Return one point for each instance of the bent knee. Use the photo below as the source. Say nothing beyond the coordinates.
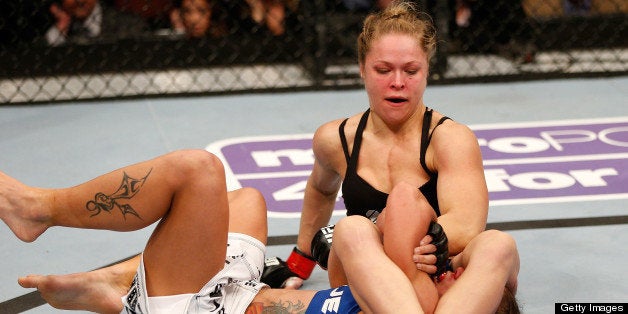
(499, 245)
(251, 195)
(248, 199)
(195, 162)
(350, 231)
(406, 200)
(403, 188)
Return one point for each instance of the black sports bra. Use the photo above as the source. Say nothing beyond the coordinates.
(359, 196)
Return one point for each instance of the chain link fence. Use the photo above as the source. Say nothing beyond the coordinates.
(59, 50)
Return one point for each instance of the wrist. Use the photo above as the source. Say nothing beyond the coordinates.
(300, 263)
(302, 253)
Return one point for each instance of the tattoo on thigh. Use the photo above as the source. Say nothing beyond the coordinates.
(128, 188)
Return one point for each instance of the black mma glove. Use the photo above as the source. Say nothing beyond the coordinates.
(321, 245)
(439, 239)
(276, 271)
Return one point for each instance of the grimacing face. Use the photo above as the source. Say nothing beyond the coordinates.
(395, 74)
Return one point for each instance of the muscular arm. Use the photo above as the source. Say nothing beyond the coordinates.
(462, 191)
(322, 185)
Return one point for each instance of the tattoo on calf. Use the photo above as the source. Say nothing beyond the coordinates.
(128, 188)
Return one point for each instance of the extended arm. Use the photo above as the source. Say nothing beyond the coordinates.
(322, 185)
(462, 190)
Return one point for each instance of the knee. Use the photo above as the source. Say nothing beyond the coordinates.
(406, 199)
(250, 201)
(353, 232)
(196, 162)
(499, 248)
(406, 193)
(252, 196)
(403, 188)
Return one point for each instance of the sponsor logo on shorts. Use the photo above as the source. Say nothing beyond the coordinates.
(132, 297)
(332, 304)
(536, 162)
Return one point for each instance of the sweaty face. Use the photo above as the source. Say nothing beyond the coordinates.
(79, 9)
(395, 75)
(196, 16)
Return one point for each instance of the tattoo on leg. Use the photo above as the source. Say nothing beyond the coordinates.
(128, 188)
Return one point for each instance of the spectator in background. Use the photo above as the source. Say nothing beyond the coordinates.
(499, 26)
(82, 21)
(271, 13)
(192, 18)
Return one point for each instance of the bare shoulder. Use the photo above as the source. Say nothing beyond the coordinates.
(452, 131)
(450, 142)
(326, 142)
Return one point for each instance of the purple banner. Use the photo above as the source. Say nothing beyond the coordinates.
(531, 162)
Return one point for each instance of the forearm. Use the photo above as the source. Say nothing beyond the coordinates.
(316, 213)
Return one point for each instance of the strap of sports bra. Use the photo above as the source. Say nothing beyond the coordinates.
(426, 136)
(352, 161)
(343, 139)
(437, 124)
(357, 141)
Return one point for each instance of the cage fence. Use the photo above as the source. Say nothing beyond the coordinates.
(60, 50)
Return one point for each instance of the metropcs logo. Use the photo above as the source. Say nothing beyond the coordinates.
(534, 162)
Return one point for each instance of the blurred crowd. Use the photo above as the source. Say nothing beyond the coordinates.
(57, 22)
(498, 26)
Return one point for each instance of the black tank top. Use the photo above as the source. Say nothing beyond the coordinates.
(359, 196)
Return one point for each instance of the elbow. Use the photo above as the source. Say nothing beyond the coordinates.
(460, 239)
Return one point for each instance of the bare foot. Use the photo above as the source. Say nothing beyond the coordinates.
(21, 210)
(96, 291)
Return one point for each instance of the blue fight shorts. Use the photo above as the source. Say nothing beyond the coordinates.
(333, 301)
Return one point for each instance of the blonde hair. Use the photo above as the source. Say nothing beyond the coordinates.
(400, 17)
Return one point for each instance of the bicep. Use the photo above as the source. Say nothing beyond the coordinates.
(462, 190)
(328, 157)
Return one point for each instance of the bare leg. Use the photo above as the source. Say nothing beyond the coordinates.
(185, 189)
(404, 222)
(126, 199)
(375, 279)
(100, 290)
(247, 213)
(96, 291)
(17, 209)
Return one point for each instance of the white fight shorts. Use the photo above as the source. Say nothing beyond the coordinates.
(230, 291)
